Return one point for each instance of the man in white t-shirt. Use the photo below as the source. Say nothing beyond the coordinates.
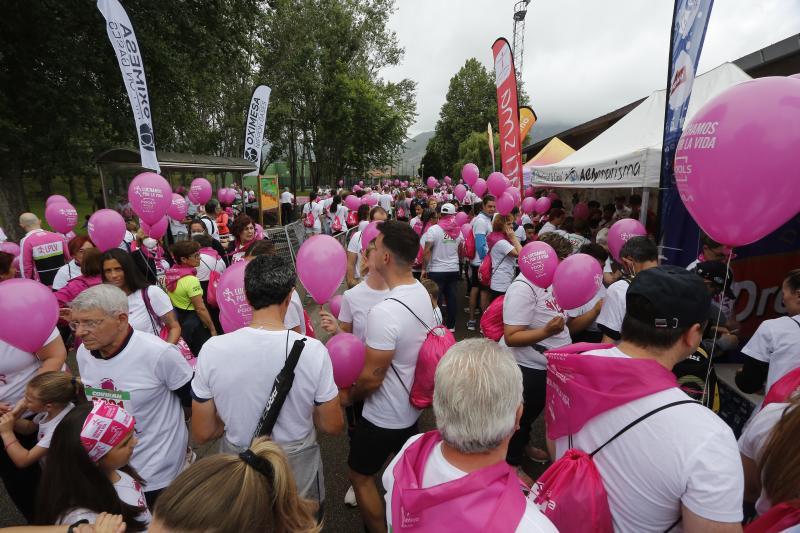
(287, 200)
(441, 262)
(472, 442)
(235, 373)
(385, 201)
(481, 227)
(679, 465)
(637, 255)
(396, 329)
(148, 377)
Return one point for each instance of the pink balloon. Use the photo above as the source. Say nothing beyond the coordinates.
(528, 205)
(369, 233)
(233, 304)
(447, 180)
(56, 199)
(10, 248)
(460, 192)
(199, 191)
(106, 229)
(30, 312)
(157, 230)
(370, 200)
(356, 188)
(222, 195)
(432, 182)
(335, 305)
(352, 202)
(542, 205)
(514, 192)
(466, 229)
(528, 191)
(396, 183)
(181, 189)
(479, 188)
(577, 280)
(736, 162)
(620, 232)
(321, 265)
(61, 216)
(505, 203)
(497, 183)
(347, 358)
(461, 218)
(259, 232)
(581, 210)
(150, 196)
(538, 262)
(178, 208)
(469, 173)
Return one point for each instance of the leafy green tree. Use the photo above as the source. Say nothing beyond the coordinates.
(475, 149)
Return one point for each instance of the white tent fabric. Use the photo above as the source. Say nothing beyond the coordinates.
(628, 154)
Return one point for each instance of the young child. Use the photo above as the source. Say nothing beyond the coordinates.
(51, 395)
(433, 291)
(87, 472)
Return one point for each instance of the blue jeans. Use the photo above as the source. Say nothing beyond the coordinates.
(448, 289)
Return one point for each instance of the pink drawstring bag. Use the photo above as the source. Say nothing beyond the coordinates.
(492, 319)
(781, 391)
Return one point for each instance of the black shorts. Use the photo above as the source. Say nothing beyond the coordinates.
(371, 446)
(473, 276)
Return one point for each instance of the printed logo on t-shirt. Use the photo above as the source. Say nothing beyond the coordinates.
(107, 392)
(551, 304)
(49, 249)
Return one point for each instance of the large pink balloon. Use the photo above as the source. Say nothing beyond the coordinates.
(233, 304)
(542, 205)
(321, 265)
(370, 200)
(106, 229)
(352, 202)
(150, 196)
(335, 305)
(581, 210)
(10, 248)
(469, 173)
(56, 199)
(736, 166)
(620, 232)
(497, 183)
(157, 230)
(369, 233)
(479, 188)
(178, 208)
(538, 262)
(432, 182)
(200, 191)
(577, 279)
(222, 195)
(528, 205)
(505, 204)
(347, 358)
(230, 196)
(461, 218)
(30, 312)
(515, 194)
(460, 192)
(61, 216)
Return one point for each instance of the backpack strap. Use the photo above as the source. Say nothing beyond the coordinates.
(795, 321)
(154, 319)
(413, 313)
(640, 419)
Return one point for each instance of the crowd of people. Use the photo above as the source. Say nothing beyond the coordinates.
(156, 375)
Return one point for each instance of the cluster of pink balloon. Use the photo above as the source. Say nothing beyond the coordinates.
(60, 214)
(226, 196)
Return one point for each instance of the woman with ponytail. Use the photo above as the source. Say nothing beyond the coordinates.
(51, 395)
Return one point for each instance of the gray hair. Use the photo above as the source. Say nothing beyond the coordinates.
(478, 389)
(108, 298)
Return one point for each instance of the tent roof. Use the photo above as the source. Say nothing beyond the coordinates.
(628, 154)
(553, 152)
(129, 157)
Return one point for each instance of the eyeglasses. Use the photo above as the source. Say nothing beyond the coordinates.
(87, 325)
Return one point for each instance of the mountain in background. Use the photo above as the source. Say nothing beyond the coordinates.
(543, 130)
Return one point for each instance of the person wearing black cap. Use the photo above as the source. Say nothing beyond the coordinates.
(677, 462)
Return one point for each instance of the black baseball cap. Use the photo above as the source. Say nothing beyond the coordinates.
(715, 272)
(678, 298)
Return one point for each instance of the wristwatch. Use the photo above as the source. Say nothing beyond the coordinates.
(71, 528)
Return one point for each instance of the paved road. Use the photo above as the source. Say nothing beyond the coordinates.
(338, 518)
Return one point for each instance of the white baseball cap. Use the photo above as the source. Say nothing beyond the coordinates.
(448, 209)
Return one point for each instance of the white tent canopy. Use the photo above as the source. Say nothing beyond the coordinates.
(628, 154)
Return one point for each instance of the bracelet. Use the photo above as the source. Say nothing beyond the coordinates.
(10, 443)
(71, 528)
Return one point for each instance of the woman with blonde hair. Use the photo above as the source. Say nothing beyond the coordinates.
(253, 491)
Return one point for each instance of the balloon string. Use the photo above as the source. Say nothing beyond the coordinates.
(719, 317)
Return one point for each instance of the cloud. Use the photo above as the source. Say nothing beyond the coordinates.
(583, 58)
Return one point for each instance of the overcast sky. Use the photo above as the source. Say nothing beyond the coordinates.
(582, 58)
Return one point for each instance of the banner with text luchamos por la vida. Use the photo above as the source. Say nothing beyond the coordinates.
(634, 170)
(254, 127)
(123, 39)
(505, 78)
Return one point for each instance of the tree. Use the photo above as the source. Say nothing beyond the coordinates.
(475, 149)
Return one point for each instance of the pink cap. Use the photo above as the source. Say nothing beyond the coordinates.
(106, 426)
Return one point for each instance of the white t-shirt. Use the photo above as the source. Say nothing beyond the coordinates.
(207, 264)
(237, 371)
(775, 342)
(363, 224)
(684, 454)
(503, 265)
(577, 241)
(357, 303)
(414, 221)
(614, 306)
(754, 439)
(138, 316)
(17, 367)
(67, 272)
(47, 427)
(481, 225)
(546, 228)
(341, 214)
(127, 239)
(211, 225)
(316, 211)
(141, 378)
(585, 308)
(286, 197)
(294, 314)
(438, 471)
(354, 246)
(392, 327)
(444, 249)
(526, 304)
(176, 227)
(385, 201)
(607, 266)
(129, 491)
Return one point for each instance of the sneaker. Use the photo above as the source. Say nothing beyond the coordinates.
(472, 325)
(350, 498)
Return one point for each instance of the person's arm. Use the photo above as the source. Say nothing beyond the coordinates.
(173, 326)
(26, 261)
(426, 257)
(752, 480)
(480, 245)
(328, 417)
(518, 336)
(19, 454)
(376, 364)
(202, 312)
(751, 377)
(351, 269)
(333, 326)
(206, 423)
(580, 323)
(52, 355)
(692, 523)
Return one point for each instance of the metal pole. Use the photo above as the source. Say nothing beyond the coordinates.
(102, 185)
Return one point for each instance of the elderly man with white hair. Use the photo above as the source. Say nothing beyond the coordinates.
(456, 478)
(145, 375)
